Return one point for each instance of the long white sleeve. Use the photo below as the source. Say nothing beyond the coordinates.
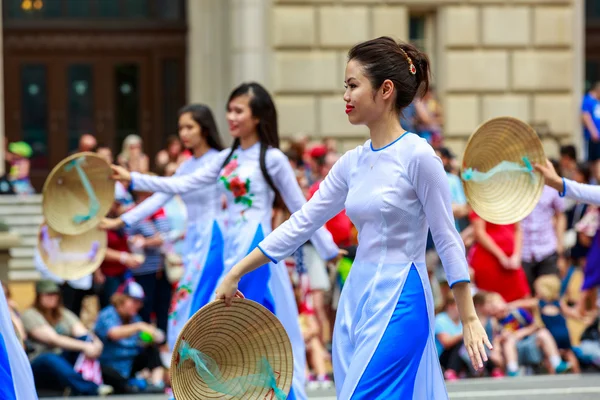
(309, 217)
(146, 208)
(180, 184)
(431, 185)
(581, 192)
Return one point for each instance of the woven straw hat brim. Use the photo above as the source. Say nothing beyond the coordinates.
(507, 197)
(64, 195)
(79, 244)
(236, 337)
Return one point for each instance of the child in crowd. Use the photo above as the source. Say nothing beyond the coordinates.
(522, 339)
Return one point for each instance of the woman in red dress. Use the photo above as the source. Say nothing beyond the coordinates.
(496, 259)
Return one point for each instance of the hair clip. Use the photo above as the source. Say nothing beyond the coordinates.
(411, 66)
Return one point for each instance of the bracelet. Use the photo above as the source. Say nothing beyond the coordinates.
(123, 257)
(564, 191)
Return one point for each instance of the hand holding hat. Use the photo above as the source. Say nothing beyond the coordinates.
(551, 178)
(120, 174)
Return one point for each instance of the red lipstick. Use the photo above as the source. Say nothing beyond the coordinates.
(349, 108)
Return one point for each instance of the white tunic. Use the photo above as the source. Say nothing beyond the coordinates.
(392, 195)
(250, 208)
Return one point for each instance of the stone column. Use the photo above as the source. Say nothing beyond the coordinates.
(208, 56)
(250, 32)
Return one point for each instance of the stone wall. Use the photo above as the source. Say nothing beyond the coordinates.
(515, 57)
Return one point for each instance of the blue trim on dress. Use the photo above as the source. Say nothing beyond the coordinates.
(212, 270)
(564, 191)
(392, 370)
(462, 280)
(389, 144)
(266, 254)
(7, 387)
(255, 285)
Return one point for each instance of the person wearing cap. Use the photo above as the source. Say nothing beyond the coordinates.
(125, 353)
(57, 338)
(16, 378)
(18, 156)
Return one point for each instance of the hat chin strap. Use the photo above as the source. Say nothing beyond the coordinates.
(52, 247)
(94, 204)
(209, 371)
(473, 175)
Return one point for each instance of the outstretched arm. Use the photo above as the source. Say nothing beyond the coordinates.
(567, 188)
(285, 181)
(146, 208)
(173, 184)
(283, 241)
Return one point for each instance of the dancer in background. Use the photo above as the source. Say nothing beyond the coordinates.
(252, 174)
(586, 194)
(203, 254)
(394, 189)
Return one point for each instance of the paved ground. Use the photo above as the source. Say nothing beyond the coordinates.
(564, 387)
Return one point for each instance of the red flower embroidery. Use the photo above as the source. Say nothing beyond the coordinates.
(237, 187)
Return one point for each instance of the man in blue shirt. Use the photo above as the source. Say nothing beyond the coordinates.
(590, 115)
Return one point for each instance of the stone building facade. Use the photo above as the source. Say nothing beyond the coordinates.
(515, 57)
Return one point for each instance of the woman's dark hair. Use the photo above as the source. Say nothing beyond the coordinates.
(204, 117)
(585, 170)
(383, 58)
(263, 108)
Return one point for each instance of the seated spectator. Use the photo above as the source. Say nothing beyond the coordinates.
(553, 311)
(126, 353)
(449, 340)
(522, 339)
(57, 338)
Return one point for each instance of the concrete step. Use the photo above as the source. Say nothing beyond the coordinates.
(11, 199)
(20, 209)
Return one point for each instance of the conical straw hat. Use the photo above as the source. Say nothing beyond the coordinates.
(67, 206)
(232, 341)
(71, 257)
(509, 196)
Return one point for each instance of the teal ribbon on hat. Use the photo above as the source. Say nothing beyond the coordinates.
(94, 204)
(209, 371)
(505, 166)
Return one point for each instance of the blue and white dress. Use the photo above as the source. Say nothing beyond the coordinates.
(203, 243)
(16, 378)
(250, 208)
(383, 339)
